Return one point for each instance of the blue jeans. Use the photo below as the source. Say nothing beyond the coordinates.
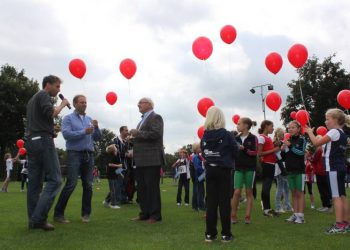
(44, 164)
(282, 189)
(78, 163)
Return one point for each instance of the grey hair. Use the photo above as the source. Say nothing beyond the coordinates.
(149, 100)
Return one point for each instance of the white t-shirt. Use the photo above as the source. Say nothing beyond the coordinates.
(182, 168)
(9, 164)
(261, 139)
(243, 138)
(24, 169)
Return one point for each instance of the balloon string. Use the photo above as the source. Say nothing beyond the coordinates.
(129, 101)
(303, 101)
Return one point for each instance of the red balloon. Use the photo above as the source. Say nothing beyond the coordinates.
(111, 98)
(321, 130)
(203, 105)
(235, 119)
(343, 98)
(20, 143)
(200, 132)
(77, 68)
(228, 34)
(293, 114)
(22, 151)
(202, 48)
(273, 100)
(302, 117)
(297, 55)
(274, 62)
(128, 68)
(286, 136)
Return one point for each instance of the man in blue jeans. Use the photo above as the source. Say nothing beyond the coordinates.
(42, 154)
(79, 131)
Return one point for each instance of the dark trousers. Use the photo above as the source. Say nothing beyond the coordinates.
(183, 182)
(149, 192)
(198, 195)
(44, 164)
(24, 178)
(78, 163)
(268, 174)
(323, 189)
(218, 196)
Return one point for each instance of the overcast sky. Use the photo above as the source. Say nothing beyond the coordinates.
(41, 37)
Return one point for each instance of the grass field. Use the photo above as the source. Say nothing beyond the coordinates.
(181, 227)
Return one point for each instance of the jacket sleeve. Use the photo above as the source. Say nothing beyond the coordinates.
(155, 132)
(234, 145)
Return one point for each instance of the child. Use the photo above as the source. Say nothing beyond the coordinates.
(295, 166)
(219, 149)
(309, 178)
(321, 179)
(281, 175)
(245, 167)
(9, 167)
(198, 182)
(24, 174)
(266, 152)
(183, 168)
(335, 142)
(96, 174)
(113, 164)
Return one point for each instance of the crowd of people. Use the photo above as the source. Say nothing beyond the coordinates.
(220, 166)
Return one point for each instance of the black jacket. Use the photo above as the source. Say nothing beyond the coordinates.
(294, 157)
(219, 148)
(246, 159)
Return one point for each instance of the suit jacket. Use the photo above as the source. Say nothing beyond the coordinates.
(148, 144)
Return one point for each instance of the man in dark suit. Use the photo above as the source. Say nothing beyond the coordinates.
(148, 153)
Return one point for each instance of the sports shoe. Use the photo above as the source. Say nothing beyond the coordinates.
(61, 219)
(105, 203)
(291, 219)
(210, 238)
(226, 239)
(186, 204)
(290, 209)
(234, 220)
(178, 204)
(312, 206)
(280, 211)
(347, 228)
(85, 219)
(114, 206)
(335, 230)
(247, 220)
(299, 220)
(271, 213)
(326, 210)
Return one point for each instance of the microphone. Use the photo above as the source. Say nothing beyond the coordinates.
(62, 97)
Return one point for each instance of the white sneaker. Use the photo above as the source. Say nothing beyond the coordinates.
(178, 204)
(105, 203)
(186, 204)
(291, 219)
(299, 220)
(312, 206)
(114, 207)
(280, 211)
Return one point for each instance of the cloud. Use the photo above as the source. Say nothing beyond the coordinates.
(43, 36)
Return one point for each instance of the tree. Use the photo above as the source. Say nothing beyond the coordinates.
(107, 137)
(15, 91)
(320, 83)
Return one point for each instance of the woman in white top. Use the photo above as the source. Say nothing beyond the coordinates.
(9, 167)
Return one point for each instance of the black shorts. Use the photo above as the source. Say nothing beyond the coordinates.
(336, 181)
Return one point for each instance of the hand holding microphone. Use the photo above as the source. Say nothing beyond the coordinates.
(65, 102)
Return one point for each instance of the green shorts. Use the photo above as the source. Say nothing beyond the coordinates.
(296, 182)
(245, 178)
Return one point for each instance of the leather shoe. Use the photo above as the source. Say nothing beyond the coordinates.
(46, 226)
(138, 218)
(61, 220)
(152, 221)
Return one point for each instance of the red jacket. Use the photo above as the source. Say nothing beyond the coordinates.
(317, 163)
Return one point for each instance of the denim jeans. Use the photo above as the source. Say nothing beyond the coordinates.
(282, 189)
(78, 163)
(44, 164)
(113, 189)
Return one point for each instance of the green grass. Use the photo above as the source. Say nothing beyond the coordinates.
(181, 227)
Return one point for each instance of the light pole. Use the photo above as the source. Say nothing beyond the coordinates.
(269, 87)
